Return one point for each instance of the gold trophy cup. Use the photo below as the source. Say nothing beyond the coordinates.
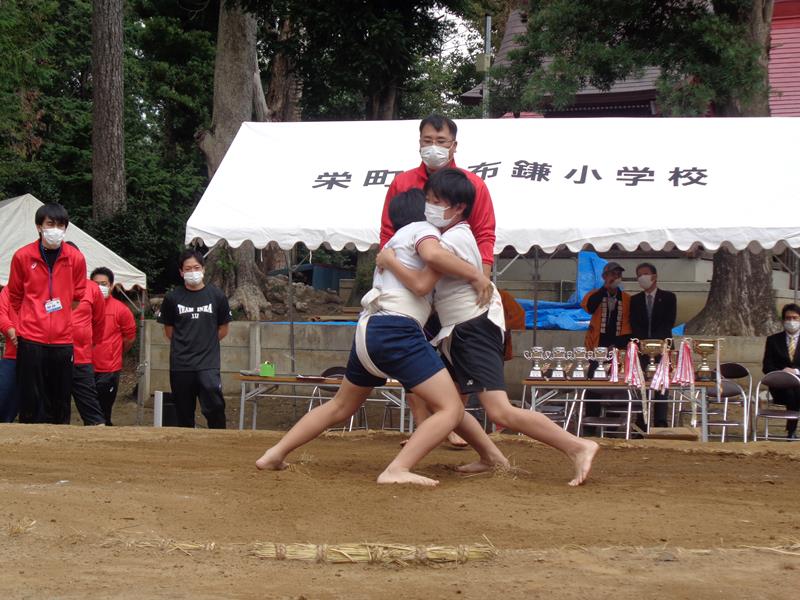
(651, 348)
(704, 348)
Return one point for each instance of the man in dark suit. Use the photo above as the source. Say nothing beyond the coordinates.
(780, 354)
(653, 317)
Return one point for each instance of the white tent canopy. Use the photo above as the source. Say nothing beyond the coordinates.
(17, 228)
(650, 183)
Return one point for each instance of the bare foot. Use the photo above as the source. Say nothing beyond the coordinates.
(398, 476)
(583, 462)
(456, 441)
(485, 464)
(271, 461)
(495, 459)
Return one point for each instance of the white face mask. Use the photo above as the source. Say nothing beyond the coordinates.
(104, 290)
(193, 277)
(435, 215)
(52, 237)
(435, 157)
(614, 284)
(645, 281)
(791, 326)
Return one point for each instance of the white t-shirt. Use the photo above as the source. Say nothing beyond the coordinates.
(404, 243)
(388, 295)
(455, 300)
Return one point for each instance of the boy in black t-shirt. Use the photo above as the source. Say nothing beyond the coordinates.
(195, 319)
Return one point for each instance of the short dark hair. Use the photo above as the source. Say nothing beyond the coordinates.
(54, 211)
(791, 307)
(452, 186)
(407, 207)
(647, 265)
(103, 271)
(438, 122)
(190, 253)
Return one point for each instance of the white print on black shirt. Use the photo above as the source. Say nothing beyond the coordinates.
(195, 311)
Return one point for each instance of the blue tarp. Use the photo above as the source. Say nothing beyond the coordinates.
(568, 315)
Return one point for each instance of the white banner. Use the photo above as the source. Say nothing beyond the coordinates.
(654, 182)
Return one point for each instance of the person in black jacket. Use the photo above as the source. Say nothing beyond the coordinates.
(652, 317)
(780, 354)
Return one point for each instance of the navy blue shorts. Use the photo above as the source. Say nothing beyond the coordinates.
(397, 347)
(477, 352)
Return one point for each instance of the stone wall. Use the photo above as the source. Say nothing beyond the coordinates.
(319, 346)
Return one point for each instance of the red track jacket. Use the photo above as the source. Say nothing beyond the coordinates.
(481, 219)
(8, 319)
(88, 321)
(31, 284)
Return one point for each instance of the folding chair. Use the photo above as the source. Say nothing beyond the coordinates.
(733, 394)
(777, 380)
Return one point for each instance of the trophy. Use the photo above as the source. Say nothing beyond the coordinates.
(600, 355)
(651, 348)
(536, 355)
(704, 348)
(559, 356)
(580, 357)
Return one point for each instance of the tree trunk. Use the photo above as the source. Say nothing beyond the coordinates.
(234, 269)
(282, 104)
(285, 89)
(108, 141)
(381, 106)
(741, 300)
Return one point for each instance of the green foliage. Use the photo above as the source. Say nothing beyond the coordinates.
(704, 50)
(437, 83)
(349, 54)
(352, 53)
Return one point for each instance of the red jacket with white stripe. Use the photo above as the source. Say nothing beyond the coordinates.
(31, 284)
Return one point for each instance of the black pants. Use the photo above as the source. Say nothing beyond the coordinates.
(791, 400)
(85, 395)
(106, 385)
(188, 386)
(44, 377)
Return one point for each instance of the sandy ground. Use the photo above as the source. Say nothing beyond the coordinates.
(659, 519)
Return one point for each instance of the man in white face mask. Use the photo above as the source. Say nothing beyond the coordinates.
(437, 148)
(46, 282)
(781, 354)
(653, 313)
(195, 318)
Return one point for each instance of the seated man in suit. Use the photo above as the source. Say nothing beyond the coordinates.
(652, 317)
(780, 354)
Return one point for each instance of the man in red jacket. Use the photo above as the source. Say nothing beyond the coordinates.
(437, 147)
(88, 321)
(46, 282)
(119, 333)
(9, 392)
